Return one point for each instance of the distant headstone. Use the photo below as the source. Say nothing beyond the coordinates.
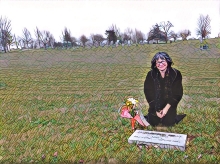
(159, 139)
(205, 47)
(203, 44)
(200, 39)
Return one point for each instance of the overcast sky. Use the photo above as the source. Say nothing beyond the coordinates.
(95, 16)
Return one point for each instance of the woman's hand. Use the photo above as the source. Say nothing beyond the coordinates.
(165, 110)
(159, 114)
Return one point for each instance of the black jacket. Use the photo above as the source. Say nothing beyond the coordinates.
(176, 89)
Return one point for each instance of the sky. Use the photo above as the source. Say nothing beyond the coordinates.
(95, 16)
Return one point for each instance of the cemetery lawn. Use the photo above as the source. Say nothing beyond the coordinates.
(61, 106)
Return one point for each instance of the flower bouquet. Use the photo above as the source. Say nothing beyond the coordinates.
(129, 110)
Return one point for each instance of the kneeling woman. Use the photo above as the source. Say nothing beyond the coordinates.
(163, 90)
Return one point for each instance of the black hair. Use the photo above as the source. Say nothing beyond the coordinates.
(163, 56)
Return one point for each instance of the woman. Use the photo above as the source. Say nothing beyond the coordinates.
(163, 91)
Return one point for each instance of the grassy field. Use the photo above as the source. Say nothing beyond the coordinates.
(66, 101)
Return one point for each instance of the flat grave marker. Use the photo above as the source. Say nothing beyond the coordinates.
(162, 140)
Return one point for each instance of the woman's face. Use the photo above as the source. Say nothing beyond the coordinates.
(161, 64)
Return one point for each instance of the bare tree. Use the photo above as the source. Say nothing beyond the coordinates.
(166, 29)
(38, 36)
(138, 36)
(125, 37)
(21, 42)
(45, 38)
(134, 36)
(113, 34)
(98, 38)
(204, 28)
(51, 41)
(156, 34)
(34, 44)
(73, 41)
(5, 32)
(92, 39)
(16, 41)
(184, 34)
(129, 33)
(83, 39)
(173, 35)
(66, 34)
(114, 28)
(26, 37)
(10, 41)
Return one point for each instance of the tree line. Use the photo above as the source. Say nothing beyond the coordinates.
(44, 39)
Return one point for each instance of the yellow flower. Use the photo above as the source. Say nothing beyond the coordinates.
(128, 103)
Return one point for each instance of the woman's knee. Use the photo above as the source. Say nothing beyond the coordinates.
(153, 120)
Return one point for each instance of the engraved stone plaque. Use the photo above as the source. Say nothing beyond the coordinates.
(159, 139)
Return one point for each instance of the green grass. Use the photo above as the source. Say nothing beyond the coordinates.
(66, 101)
